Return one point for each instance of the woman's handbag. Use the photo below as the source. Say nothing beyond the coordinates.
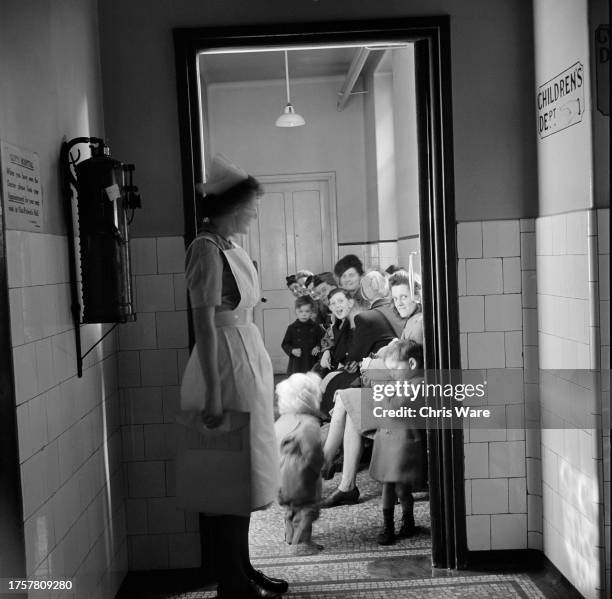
(219, 454)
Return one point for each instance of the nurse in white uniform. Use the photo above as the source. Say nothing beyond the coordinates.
(229, 366)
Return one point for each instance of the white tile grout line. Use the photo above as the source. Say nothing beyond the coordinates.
(340, 557)
(419, 582)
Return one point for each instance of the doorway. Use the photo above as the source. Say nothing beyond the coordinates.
(431, 40)
(296, 229)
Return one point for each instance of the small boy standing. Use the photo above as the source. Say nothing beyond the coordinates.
(303, 337)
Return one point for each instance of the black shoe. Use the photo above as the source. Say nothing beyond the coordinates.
(386, 536)
(408, 528)
(275, 585)
(339, 497)
(328, 471)
(251, 591)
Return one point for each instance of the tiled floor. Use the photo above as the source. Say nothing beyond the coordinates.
(341, 530)
(353, 566)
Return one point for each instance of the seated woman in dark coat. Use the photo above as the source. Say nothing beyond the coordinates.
(374, 328)
(340, 304)
(319, 287)
(349, 271)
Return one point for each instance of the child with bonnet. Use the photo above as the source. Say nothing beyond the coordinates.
(298, 434)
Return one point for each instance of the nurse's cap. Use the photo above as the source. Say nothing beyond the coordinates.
(222, 176)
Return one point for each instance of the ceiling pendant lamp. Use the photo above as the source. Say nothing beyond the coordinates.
(289, 118)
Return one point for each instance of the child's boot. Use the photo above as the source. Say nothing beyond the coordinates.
(407, 528)
(386, 536)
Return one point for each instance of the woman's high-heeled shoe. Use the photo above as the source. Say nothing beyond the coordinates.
(275, 585)
(339, 497)
(249, 591)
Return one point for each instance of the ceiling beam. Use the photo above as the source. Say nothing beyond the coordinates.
(355, 68)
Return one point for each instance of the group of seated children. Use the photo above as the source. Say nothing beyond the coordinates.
(340, 320)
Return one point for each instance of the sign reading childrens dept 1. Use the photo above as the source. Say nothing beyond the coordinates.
(560, 101)
(21, 188)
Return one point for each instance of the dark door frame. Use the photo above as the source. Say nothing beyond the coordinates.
(12, 531)
(431, 36)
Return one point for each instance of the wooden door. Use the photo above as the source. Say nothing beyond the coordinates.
(296, 229)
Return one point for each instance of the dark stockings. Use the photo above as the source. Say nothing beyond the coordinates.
(228, 539)
(244, 523)
(392, 492)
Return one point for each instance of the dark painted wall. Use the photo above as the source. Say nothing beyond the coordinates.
(492, 63)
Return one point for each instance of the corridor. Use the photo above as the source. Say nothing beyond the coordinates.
(513, 221)
(353, 566)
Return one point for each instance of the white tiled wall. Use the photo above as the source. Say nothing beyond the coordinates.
(535, 295)
(603, 259)
(68, 427)
(531, 384)
(153, 353)
(405, 247)
(564, 309)
(365, 252)
(571, 282)
(384, 254)
(492, 309)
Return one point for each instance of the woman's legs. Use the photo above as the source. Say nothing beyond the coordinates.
(244, 523)
(335, 433)
(352, 454)
(275, 585)
(224, 537)
(342, 429)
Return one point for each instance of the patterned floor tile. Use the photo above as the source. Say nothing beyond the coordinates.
(511, 586)
(353, 566)
(344, 529)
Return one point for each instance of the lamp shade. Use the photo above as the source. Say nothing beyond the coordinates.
(290, 118)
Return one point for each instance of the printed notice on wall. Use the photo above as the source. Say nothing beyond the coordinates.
(560, 101)
(21, 188)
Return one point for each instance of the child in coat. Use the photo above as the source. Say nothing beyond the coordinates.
(298, 433)
(398, 455)
(303, 337)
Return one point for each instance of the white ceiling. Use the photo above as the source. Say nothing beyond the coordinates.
(253, 66)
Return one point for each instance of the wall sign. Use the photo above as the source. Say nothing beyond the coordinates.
(21, 188)
(602, 68)
(560, 101)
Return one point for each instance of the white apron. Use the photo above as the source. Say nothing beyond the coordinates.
(246, 375)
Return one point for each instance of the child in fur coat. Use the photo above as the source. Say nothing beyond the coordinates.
(298, 433)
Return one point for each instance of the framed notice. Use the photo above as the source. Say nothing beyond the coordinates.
(21, 188)
(560, 101)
